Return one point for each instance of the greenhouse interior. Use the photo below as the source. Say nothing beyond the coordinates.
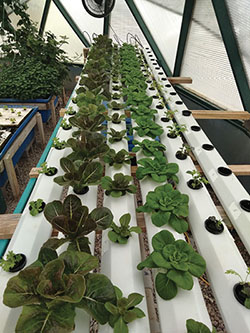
(124, 166)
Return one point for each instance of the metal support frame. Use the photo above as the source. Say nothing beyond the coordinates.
(71, 22)
(106, 25)
(185, 25)
(134, 10)
(44, 17)
(233, 53)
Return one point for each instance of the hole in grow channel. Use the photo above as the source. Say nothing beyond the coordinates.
(151, 88)
(168, 86)
(161, 73)
(154, 63)
(224, 171)
(195, 128)
(245, 205)
(159, 106)
(179, 102)
(157, 67)
(186, 113)
(207, 146)
(164, 79)
(173, 93)
(155, 97)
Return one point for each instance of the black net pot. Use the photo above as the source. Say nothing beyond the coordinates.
(19, 265)
(165, 119)
(207, 146)
(224, 171)
(68, 127)
(186, 113)
(180, 155)
(190, 182)
(172, 136)
(238, 294)
(195, 128)
(52, 171)
(41, 208)
(245, 205)
(212, 227)
(80, 191)
(159, 107)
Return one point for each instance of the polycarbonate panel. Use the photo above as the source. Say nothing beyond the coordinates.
(57, 24)
(206, 60)
(164, 26)
(122, 24)
(83, 20)
(239, 13)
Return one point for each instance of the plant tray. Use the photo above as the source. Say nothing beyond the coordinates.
(4, 136)
(7, 114)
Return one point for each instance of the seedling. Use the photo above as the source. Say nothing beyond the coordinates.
(24, 108)
(11, 260)
(48, 171)
(5, 107)
(183, 151)
(19, 113)
(197, 180)
(0, 114)
(243, 292)
(121, 234)
(36, 207)
(116, 136)
(12, 110)
(124, 311)
(118, 186)
(170, 114)
(13, 120)
(65, 125)
(116, 118)
(59, 144)
(176, 130)
(70, 111)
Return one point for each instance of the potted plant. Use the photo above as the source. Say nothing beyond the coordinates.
(13, 262)
(75, 222)
(168, 206)
(183, 152)
(51, 171)
(124, 311)
(120, 234)
(169, 115)
(59, 144)
(197, 181)
(148, 147)
(147, 127)
(214, 225)
(118, 186)
(158, 169)
(177, 263)
(80, 175)
(116, 136)
(117, 159)
(65, 125)
(241, 289)
(175, 130)
(36, 207)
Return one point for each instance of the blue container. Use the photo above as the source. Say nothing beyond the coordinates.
(44, 113)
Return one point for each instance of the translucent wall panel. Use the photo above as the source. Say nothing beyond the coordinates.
(164, 26)
(239, 12)
(57, 24)
(84, 21)
(206, 60)
(122, 22)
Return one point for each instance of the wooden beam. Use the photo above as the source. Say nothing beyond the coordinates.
(39, 123)
(8, 223)
(34, 172)
(220, 114)
(237, 169)
(180, 80)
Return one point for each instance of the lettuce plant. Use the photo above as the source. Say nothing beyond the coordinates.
(11, 260)
(36, 207)
(75, 222)
(197, 327)
(51, 289)
(177, 262)
(116, 136)
(139, 98)
(148, 147)
(88, 147)
(121, 234)
(158, 169)
(142, 111)
(116, 118)
(79, 174)
(87, 123)
(147, 127)
(118, 186)
(117, 159)
(168, 206)
(124, 311)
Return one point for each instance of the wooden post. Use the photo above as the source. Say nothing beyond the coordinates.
(11, 175)
(39, 123)
(53, 111)
(64, 98)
